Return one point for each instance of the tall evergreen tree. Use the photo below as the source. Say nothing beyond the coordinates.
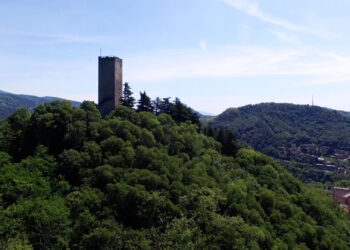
(229, 144)
(127, 99)
(165, 106)
(181, 113)
(157, 105)
(144, 104)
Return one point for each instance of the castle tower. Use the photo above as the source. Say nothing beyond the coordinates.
(110, 83)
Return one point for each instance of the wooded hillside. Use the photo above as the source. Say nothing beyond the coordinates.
(69, 179)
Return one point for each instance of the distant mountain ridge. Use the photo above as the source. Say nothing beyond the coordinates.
(11, 102)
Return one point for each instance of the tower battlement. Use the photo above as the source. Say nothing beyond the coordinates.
(110, 83)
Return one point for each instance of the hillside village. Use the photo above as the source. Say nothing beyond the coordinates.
(322, 158)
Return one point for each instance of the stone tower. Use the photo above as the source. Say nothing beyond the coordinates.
(110, 83)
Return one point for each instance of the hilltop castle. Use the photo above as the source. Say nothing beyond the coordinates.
(110, 83)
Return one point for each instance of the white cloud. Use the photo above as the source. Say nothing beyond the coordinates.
(317, 67)
(203, 45)
(152, 68)
(251, 7)
(52, 38)
(286, 36)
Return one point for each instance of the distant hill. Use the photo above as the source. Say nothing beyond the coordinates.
(300, 133)
(11, 102)
(205, 114)
(269, 125)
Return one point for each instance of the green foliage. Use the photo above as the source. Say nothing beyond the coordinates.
(176, 109)
(9, 103)
(4, 159)
(281, 131)
(127, 99)
(226, 137)
(145, 103)
(181, 113)
(139, 181)
(269, 126)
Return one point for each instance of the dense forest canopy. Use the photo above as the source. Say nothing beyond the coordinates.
(134, 180)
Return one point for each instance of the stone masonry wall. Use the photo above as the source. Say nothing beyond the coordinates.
(110, 83)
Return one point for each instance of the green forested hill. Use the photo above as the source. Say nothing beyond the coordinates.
(69, 179)
(269, 126)
(9, 103)
(297, 133)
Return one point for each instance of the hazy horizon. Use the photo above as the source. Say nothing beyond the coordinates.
(203, 112)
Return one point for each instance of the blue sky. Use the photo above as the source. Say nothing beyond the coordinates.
(212, 54)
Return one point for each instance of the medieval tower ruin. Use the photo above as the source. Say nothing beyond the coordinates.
(110, 83)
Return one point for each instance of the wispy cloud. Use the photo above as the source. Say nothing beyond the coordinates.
(286, 36)
(317, 67)
(251, 7)
(203, 45)
(303, 66)
(52, 38)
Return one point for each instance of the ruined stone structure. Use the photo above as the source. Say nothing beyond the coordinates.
(110, 83)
